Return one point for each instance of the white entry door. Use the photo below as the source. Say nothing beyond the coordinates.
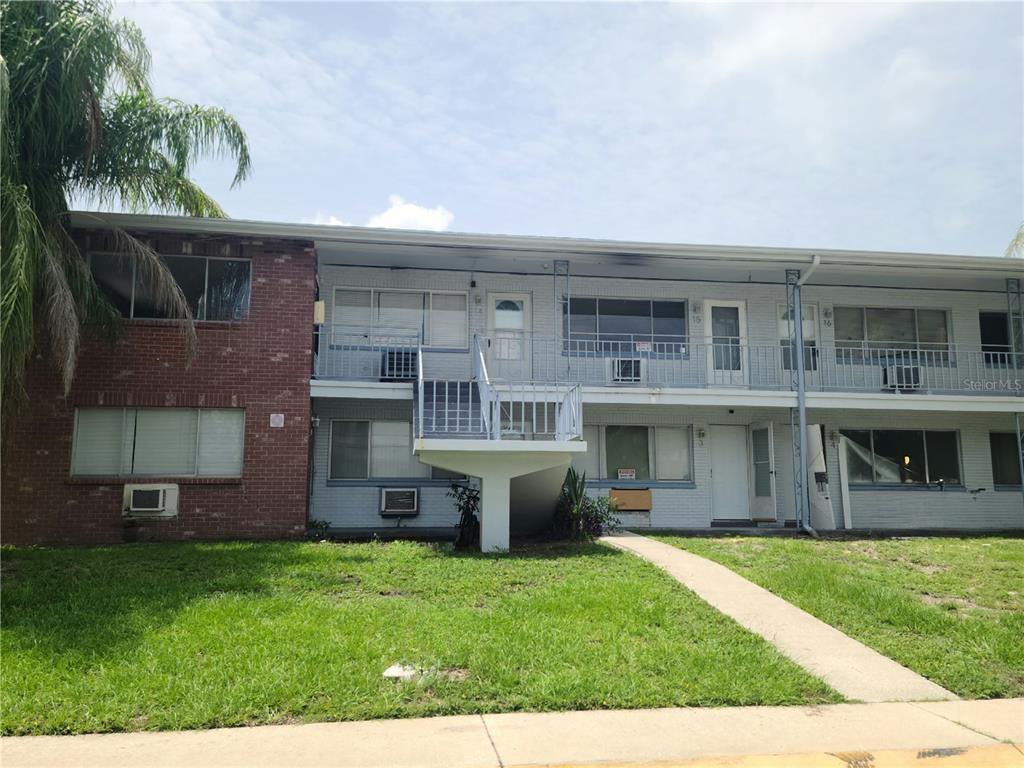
(509, 326)
(762, 472)
(730, 498)
(725, 335)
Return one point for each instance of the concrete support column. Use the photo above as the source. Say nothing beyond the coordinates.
(494, 513)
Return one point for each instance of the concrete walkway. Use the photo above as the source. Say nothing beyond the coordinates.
(850, 667)
(828, 735)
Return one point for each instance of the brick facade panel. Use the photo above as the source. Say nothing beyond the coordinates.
(261, 364)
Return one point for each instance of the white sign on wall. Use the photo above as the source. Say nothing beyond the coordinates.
(277, 419)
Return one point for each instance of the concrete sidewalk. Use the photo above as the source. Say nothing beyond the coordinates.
(850, 667)
(627, 737)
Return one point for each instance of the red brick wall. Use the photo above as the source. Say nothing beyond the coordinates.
(261, 364)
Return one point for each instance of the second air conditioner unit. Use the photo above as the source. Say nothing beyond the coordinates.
(902, 377)
(627, 370)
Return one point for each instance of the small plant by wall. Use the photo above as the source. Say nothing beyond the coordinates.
(579, 516)
(467, 501)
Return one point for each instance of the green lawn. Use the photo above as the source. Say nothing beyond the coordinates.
(155, 636)
(950, 609)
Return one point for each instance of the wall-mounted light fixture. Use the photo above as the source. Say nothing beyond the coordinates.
(315, 421)
(834, 438)
(701, 434)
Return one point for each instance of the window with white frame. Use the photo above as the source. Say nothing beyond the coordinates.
(158, 442)
(810, 332)
(902, 456)
(215, 288)
(440, 319)
(617, 452)
(364, 450)
(616, 326)
(925, 331)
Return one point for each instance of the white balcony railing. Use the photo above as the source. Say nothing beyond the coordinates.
(502, 360)
(346, 354)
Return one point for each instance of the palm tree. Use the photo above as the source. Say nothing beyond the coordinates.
(78, 121)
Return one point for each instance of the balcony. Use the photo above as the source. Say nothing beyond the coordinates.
(516, 359)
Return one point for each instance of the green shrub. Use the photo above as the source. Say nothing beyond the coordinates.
(579, 516)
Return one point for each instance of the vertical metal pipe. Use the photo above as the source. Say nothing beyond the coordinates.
(1020, 451)
(796, 325)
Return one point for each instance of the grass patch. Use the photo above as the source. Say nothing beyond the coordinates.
(950, 609)
(169, 636)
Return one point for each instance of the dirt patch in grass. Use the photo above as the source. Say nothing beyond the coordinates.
(947, 601)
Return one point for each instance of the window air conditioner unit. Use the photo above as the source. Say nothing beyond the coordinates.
(398, 365)
(399, 502)
(150, 500)
(626, 370)
(901, 377)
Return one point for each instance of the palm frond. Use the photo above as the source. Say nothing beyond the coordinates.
(1015, 250)
(166, 293)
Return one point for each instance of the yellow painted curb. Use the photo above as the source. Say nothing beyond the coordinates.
(999, 756)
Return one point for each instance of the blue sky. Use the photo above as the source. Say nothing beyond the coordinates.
(874, 126)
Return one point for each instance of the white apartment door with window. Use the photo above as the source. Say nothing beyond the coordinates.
(762, 471)
(730, 499)
(509, 326)
(725, 335)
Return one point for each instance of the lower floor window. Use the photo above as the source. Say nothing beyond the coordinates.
(158, 442)
(361, 450)
(902, 456)
(630, 452)
(1005, 458)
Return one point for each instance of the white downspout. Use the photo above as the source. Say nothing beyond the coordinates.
(798, 354)
(815, 263)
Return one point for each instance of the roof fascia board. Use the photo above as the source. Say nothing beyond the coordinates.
(545, 247)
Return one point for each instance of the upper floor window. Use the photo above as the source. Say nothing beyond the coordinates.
(995, 338)
(881, 330)
(810, 331)
(612, 323)
(902, 456)
(215, 288)
(158, 442)
(439, 319)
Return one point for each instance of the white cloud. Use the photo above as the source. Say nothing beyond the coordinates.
(751, 39)
(325, 218)
(405, 215)
(400, 214)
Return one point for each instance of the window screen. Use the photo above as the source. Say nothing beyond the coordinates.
(158, 442)
(391, 451)
(350, 450)
(165, 441)
(448, 326)
(221, 439)
(351, 310)
(98, 442)
(626, 448)
(672, 453)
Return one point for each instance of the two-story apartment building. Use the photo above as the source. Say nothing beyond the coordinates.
(667, 373)
(675, 376)
(151, 444)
